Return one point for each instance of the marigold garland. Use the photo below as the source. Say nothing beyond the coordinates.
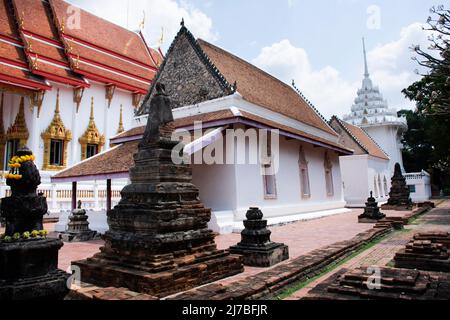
(15, 164)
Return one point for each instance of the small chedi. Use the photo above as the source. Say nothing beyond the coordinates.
(78, 227)
(28, 260)
(399, 196)
(256, 248)
(427, 251)
(372, 212)
(158, 241)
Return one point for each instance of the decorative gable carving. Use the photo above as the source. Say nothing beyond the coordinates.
(55, 131)
(91, 135)
(188, 74)
(19, 130)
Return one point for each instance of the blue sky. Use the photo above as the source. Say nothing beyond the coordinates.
(316, 42)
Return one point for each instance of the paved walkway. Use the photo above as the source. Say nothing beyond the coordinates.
(383, 253)
(301, 237)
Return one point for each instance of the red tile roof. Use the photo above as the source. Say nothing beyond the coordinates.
(137, 132)
(13, 62)
(116, 160)
(276, 125)
(101, 48)
(48, 47)
(261, 88)
(364, 140)
(39, 33)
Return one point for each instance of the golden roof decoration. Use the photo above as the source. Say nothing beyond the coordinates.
(91, 135)
(19, 130)
(56, 129)
(121, 128)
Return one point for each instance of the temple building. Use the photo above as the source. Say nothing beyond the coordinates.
(375, 131)
(367, 170)
(225, 93)
(69, 80)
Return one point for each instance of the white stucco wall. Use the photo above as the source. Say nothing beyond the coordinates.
(106, 119)
(230, 190)
(422, 185)
(358, 174)
(387, 137)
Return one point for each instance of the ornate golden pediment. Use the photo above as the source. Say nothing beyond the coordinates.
(19, 130)
(91, 135)
(120, 128)
(56, 131)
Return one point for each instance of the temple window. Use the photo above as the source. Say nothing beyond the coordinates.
(11, 149)
(386, 189)
(304, 175)
(56, 152)
(91, 150)
(375, 189)
(380, 187)
(91, 141)
(17, 134)
(270, 186)
(328, 176)
(56, 139)
(269, 178)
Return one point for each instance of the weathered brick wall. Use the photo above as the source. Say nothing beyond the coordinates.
(187, 78)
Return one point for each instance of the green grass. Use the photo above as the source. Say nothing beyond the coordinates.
(300, 285)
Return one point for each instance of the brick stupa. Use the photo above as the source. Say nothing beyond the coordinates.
(158, 241)
(399, 196)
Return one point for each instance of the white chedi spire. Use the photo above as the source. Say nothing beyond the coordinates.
(370, 108)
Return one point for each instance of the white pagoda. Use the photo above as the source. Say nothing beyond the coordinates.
(372, 113)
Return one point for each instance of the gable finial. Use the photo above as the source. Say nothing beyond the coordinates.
(182, 22)
(366, 68)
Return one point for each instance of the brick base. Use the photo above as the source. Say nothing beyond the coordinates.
(164, 283)
(265, 257)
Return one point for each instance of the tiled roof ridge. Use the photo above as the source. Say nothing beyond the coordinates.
(362, 145)
(341, 122)
(376, 143)
(230, 89)
(311, 104)
(88, 159)
(61, 33)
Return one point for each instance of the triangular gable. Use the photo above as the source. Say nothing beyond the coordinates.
(358, 140)
(198, 80)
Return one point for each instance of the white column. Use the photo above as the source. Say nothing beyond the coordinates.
(34, 130)
(54, 202)
(74, 156)
(106, 125)
(96, 200)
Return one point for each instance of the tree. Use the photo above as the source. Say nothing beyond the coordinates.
(427, 143)
(432, 92)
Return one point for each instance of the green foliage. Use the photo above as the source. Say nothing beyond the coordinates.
(447, 192)
(427, 143)
(432, 92)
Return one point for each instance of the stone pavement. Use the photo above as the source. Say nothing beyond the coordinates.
(383, 253)
(301, 237)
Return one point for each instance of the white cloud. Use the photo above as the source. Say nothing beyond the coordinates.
(326, 88)
(166, 14)
(391, 66)
(331, 91)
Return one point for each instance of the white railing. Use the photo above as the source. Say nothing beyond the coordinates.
(417, 175)
(59, 196)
